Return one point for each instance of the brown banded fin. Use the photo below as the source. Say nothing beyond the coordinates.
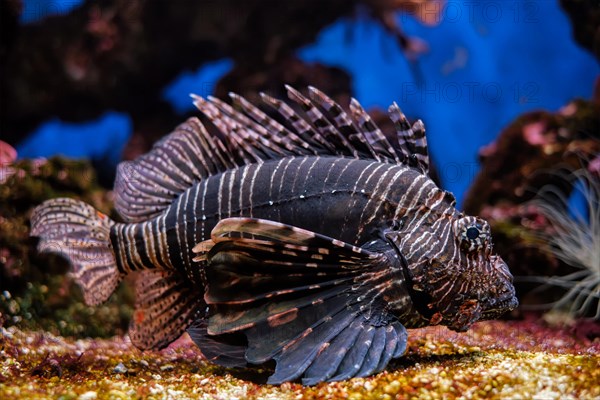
(302, 127)
(328, 132)
(243, 141)
(165, 306)
(313, 297)
(274, 127)
(343, 123)
(146, 186)
(322, 127)
(202, 249)
(382, 148)
(289, 142)
(81, 234)
(411, 139)
(248, 154)
(149, 184)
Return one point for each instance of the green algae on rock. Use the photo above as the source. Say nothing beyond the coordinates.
(34, 292)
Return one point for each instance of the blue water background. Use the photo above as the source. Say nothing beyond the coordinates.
(488, 62)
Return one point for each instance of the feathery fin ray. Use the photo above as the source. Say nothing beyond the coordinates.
(165, 305)
(226, 350)
(146, 186)
(307, 293)
(81, 234)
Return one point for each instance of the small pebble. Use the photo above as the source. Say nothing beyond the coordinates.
(120, 369)
(88, 395)
(392, 387)
(117, 394)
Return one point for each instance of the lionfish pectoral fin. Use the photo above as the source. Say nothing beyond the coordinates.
(202, 249)
(165, 306)
(226, 350)
(298, 297)
(348, 352)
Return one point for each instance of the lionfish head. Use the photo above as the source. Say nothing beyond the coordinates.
(465, 281)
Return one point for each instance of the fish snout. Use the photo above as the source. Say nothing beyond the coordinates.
(502, 297)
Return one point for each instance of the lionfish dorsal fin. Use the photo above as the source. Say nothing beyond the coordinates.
(411, 139)
(323, 132)
(382, 148)
(326, 129)
(146, 186)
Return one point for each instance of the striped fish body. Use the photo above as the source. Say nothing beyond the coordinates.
(318, 234)
(351, 200)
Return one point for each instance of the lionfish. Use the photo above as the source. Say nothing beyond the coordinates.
(308, 238)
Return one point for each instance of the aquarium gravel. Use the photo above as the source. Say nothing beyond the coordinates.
(496, 360)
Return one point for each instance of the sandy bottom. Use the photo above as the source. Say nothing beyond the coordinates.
(495, 359)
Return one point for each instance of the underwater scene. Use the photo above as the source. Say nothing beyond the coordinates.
(341, 199)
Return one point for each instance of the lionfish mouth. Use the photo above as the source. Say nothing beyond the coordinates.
(468, 313)
(505, 298)
(500, 307)
(472, 311)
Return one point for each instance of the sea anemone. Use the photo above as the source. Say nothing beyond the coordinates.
(572, 235)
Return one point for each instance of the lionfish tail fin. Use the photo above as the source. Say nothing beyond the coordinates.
(81, 234)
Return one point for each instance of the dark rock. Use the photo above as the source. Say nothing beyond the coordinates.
(585, 19)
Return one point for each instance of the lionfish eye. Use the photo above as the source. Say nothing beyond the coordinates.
(473, 233)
